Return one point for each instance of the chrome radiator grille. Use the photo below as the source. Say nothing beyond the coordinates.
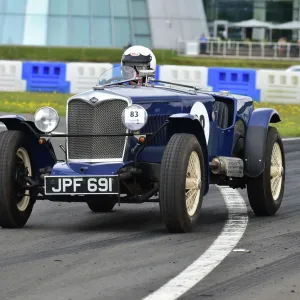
(102, 118)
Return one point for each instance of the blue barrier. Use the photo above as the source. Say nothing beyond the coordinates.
(235, 80)
(157, 72)
(45, 77)
(116, 70)
(51, 77)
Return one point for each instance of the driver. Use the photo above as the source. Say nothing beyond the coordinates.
(139, 58)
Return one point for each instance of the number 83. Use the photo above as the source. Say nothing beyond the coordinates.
(134, 114)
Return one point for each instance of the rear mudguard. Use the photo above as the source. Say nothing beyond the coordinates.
(189, 123)
(42, 155)
(255, 141)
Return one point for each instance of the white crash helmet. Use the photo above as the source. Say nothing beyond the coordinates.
(140, 58)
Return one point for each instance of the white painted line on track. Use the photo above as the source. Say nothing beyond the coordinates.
(291, 139)
(231, 234)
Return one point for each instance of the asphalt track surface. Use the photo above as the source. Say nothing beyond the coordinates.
(67, 252)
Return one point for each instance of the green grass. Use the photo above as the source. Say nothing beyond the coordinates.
(290, 118)
(29, 102)
(165, 57)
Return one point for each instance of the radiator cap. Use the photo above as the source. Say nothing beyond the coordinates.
(225, 93)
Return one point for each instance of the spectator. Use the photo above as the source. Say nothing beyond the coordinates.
(203, 41)
(224, 34)
(282, 42)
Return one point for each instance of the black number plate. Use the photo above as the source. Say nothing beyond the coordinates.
(81, 185)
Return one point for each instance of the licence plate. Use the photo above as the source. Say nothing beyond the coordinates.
(81, 185)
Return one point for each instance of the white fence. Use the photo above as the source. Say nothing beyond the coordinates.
(11, 76)
(196, 76)
(83, 76)
(279, 86)
(238, 49)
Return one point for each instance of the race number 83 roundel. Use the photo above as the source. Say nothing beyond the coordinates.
(134, 117)
(200, 111)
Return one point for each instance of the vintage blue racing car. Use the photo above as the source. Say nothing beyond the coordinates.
(134, 139)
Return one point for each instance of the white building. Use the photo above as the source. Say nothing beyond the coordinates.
(100, 23)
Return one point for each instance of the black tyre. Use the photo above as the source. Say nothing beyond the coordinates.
(103, 204)
(265, 193)
(181, 183)
(15, 159)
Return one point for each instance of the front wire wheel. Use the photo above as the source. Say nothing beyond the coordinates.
(182, 183)
(193, 184)
(24, 165)
(16, 204)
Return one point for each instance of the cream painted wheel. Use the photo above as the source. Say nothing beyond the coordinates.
(265, 192)
(182, 182)
(276, 171)
(24, 156)
(193, 184)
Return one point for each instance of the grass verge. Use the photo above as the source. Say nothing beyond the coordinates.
(113, 55)
(290, 118)
(30, 102)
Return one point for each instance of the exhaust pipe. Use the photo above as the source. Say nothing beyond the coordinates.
(229, 166)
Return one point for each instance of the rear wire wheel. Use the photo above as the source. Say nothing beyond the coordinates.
(182, 183)
(265, 193)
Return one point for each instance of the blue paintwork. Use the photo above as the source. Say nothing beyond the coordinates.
(73, 169)
(255, 154)
(21, 118)
(220, 143)
(152, 154)
(140, 94)
(172, 103)
(263, 116)
(163, 103)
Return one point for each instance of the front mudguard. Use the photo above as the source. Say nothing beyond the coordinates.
(42, 155)
(255, 140)
(189, 123)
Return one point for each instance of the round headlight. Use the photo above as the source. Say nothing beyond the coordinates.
(46, 119)
(134, 117)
